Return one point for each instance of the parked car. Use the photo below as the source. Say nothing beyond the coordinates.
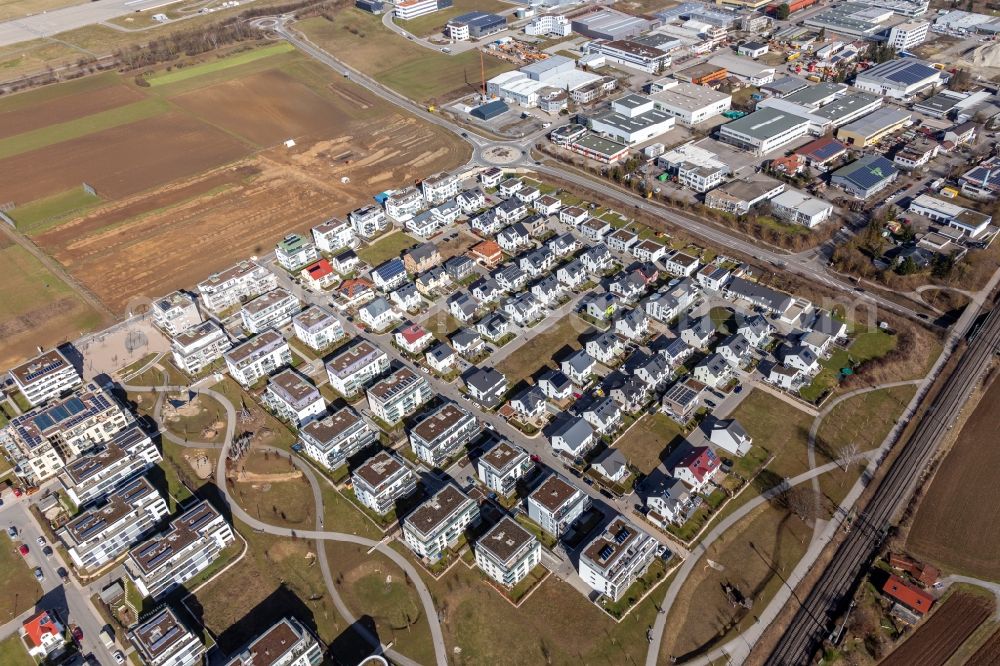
(23, 549)
(119, 657)
(39, 574)
(12, 532)
(41, 541)
(63, 574)
(47, 551)
(77, 633)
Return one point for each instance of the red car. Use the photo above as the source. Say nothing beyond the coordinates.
(77, 634)
(535, 458)
(18, 492)
(23, 549)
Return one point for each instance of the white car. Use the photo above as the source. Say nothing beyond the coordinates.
(119, 657)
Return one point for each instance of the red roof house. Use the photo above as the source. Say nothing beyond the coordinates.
(488, 253)
(319, 274)
(356, 291)
(922, 573)
(43, 634)
(908, 595)
(413, 337)
(697, 467)
(822, 151)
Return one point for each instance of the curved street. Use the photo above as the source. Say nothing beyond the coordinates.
(318, 534)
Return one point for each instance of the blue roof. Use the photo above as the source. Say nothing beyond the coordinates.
(491, 109)
(867, 171)
(391, 269)
(479, 19)
(381, 197)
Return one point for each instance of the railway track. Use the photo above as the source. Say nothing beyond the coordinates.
(830, 594)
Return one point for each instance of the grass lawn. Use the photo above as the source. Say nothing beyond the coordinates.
(654, 574)
(244, 57)
(433, 24)
(647, 441)
(279, 435)
(42, 214)
(702, 616)
(288, 502)
(865, 345)
(864, 420)
(174, 475)
(723, 319)
(540, 349)
(372, 585)
(779, 429)
(13, 653)
(387, 247)
(421, 74)
(20, 589)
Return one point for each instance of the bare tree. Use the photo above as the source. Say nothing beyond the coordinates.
(849, 454)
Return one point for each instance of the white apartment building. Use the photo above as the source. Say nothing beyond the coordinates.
(102, 533)
(272, 310)
(382, 480)
(764, 131)
(439, 522)
(555, 504)
(549, 25)
(286, 643)
(501, 467)
(439, 188)
(351, 369)
(333, 439)
(507, 552)
(317, 327)
(162, 640)
(234, 285)
(191, 543)
(92, 477)
(293, 398)
(199, 347)
(691, 104)
(46, 376)
(40, 442)
(176, 312)
(333, 235)
(439, 436)
(295, 251)
(258, 357)
(615, 559)
(368, 221)
(398, 395)
(908, 35)
(632, 119)
(404, 204)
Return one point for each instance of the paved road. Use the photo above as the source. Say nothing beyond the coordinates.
(51, 23)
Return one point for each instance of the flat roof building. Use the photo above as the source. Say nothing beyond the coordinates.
(610, 24)
(46, 376)
(439, 522)
(691, 104)
(507, 552)
(873, 127)
(900, 79)
(616, 558)
(475, 25)
(381, 481)
(764, 130)
(285, 643)
(866, 176)
(161, 639)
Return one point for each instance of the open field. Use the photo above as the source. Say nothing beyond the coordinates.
(13, 653)
(360, 40)
(433, 24)
(988, 652)
(944, 632)
(865, 346)
(779, 429)
(645, 445)
(862, 421)
(20, 590)
(386, 247)
(543, 348)
(373, 585)
(36, 307)
(770, 539)
(221, 186)
(956, 527)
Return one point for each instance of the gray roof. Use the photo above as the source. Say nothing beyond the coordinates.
(765, 123)
(815, 94)
(876, 121)
(611, 461)
(785, 85)
(581, 361)
(574, 430)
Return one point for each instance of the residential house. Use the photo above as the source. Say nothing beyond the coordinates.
(421, 258)
(622, 240)
(44, 637)
(616, 558)
(502, 467)
(668, 500)
(907, 594)
(494, 327)
(698, 332)
(413, 338)
(345, 262)
(509, 187)
(824, 323)
(537, 262)
(628, 286)
(439, 436)
(735, 349)
(407, 298)
(527, 194)
(161, 639)
(547, 291)
(467, 342)
(441, 358)
(713, 370)
(712, 277)
(556, 385)
(257, 358)
(507, 552)
(470, 201)
(199, 347)
(572, 435)
(319, 276)
(440, 187)
(488, 254)
(696, 467)
(547, 205)
(799, 358)
(331, 440)
(491, 177)
(681, 400)
(459, 268)
(333, 235)
(486, 386)
(510, 211)
(652, 369)
(555, 504)
(272, 310)
(513, 238)
(389, 275)
(604, 416)
(631, 395)
(612, 465)
(572, 275)
(680, 264)
(293, 398)
(605, 348)
(524, 309)
(232, 286)
(595, 229)
(368, 221)
(175, 312)
(439, 522)
(353, 367)
(403, 204)
(633, 324)
(786, 378)
(381, 481)
(649, 250)
(529, 404)
(573, 215)
(579, 367)
(597, 259)
(295, 251)
(397, 396)
(756, 329)
(675, 351)
(486, 290)
(601, 307)
(487, 223)
(728, 435)
(355, 292)
(563, 245)
(378, 315)
(433, 282)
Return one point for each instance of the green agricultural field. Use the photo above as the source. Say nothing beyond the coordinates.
(243, 58)
(44, 213)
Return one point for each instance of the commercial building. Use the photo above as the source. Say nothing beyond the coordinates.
(382, 480)
(243, 281)
(851, 19)
(333, 439)
(534, 82)
(93, 476)
(507, 552)
(695, 167)
(439, 522)
(258, 357)
(899, 79)
(501, 467)
(908, 35)
(46, 376)
(175, 312)
(752, 49)
(970, 222)
(822, 151)
(702, 74)
(610, 24)
(199, 347)
(798, 208)
(555, 504)
(691, 104)
(411, 9)
(866, 176)
(630, 53)
(982, 182)
(764, 130)
(616, 558)
(40, 442)
(599, 149)
(632, 119)
(285, 643)
(441, 434)
(744, 68)
(295, 251)
(191, 543)
(161, 639)
(317, 327)
(874, 127)
(100, 534)
(474, 25)
(271, 310)
(293, 398)
(739, 196)
(355, 366)
(398, 395)
(549, 25)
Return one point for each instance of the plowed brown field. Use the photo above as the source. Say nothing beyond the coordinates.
(65, 109)
(957, 525)
(943, 633)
